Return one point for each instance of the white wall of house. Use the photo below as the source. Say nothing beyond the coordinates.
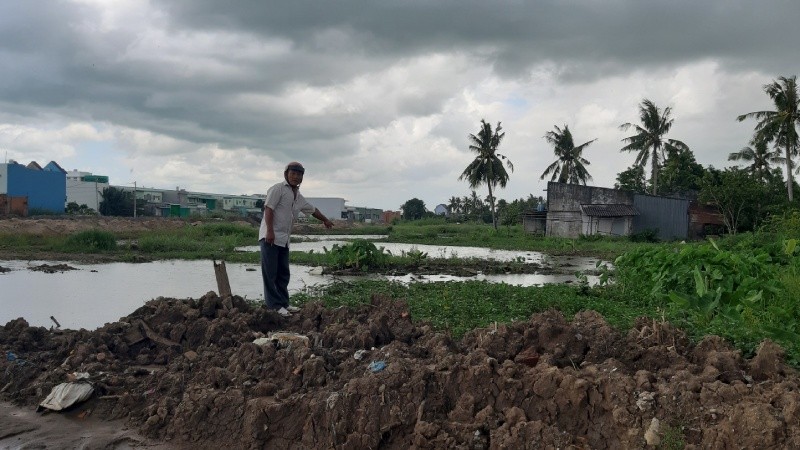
(332, 207)
(3, 178)
(89, 193)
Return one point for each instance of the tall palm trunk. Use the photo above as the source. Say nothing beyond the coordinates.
(654, 169)
(491, 201)
(789, 176)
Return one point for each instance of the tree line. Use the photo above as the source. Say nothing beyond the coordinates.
(745, 196)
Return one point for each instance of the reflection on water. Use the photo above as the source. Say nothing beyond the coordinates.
(337, 237)
(100, 293)
(448, 251)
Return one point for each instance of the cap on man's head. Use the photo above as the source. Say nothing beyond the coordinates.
(296, 166)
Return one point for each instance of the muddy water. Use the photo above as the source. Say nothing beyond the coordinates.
(318, 244)
(99, 293)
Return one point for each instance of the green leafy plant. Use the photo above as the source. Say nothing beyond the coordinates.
(416, 256)
(360, 254)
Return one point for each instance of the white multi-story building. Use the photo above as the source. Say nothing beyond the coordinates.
(332, 207)
(84, 188)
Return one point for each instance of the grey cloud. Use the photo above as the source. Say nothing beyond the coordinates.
(56, 61)
(520, 34)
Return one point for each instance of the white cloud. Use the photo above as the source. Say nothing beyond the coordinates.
(376, 100)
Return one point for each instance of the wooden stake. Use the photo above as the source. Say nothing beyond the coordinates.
(223, 285)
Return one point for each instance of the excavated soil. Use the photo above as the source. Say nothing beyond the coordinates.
(188, 373)
(65, 225)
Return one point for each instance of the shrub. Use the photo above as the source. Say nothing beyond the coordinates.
(91, 240)
(646, 235)
(360, 254)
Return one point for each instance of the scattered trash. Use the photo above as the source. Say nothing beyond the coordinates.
(652, 435)
(284, 340)
(262, 341)
(359, 355)
(78, 376)
(10, 356)
(67, 394)
(377, 366)
(315, 271)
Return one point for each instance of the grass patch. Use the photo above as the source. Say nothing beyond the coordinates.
(457, 307)
(90, 241)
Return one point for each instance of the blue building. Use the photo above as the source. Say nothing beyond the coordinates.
(45, 187)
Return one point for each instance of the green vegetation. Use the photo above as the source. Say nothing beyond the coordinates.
(487, 167)
(359, 255)
(570, 165)
(214, 239)
(744, 288)
(91, 240)
(458, 307)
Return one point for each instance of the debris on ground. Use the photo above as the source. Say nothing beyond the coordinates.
(188, 372)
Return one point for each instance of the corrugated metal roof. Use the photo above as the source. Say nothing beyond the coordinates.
(609, 210)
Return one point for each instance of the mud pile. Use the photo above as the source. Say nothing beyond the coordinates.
(188, 372)
(65, 225)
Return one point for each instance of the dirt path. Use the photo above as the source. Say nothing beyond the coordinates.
(189, 372)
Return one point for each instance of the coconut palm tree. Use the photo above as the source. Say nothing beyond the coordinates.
(649, 139)
(487, 167)
(760, 155)
(779, 126)
(454, 205)
(570, 165)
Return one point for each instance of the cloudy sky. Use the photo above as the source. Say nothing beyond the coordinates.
(376, 98)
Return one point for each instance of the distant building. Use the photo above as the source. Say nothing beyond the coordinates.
(44, 187)
(573, 210)
(332, 207)
(84, 188)
(441, 210)
(390, 216)
(364, 214)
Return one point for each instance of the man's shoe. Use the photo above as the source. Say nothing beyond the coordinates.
(293, 309)
(284, 312)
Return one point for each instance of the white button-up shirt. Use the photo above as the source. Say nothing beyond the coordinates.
(285, 206)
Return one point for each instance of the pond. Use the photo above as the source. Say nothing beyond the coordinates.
(96, 294)
(319, 243)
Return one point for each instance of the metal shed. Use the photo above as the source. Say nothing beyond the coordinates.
(670, 216)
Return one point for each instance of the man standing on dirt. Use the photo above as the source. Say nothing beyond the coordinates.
(281, 207)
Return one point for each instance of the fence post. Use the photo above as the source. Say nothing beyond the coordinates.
(223, 285)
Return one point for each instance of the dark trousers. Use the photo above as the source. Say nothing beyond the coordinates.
(275, 273)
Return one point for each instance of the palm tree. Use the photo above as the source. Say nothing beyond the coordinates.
(649, 139)
(569, 166)
(454, 205)
(779, 126)
(760, 156)
(487, 168)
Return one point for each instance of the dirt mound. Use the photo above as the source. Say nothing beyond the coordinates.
(189, 372)
(66, 225)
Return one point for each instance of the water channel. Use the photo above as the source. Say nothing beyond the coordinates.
(96, 294)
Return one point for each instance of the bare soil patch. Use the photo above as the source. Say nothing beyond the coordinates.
(187, 372)
(66, 225)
